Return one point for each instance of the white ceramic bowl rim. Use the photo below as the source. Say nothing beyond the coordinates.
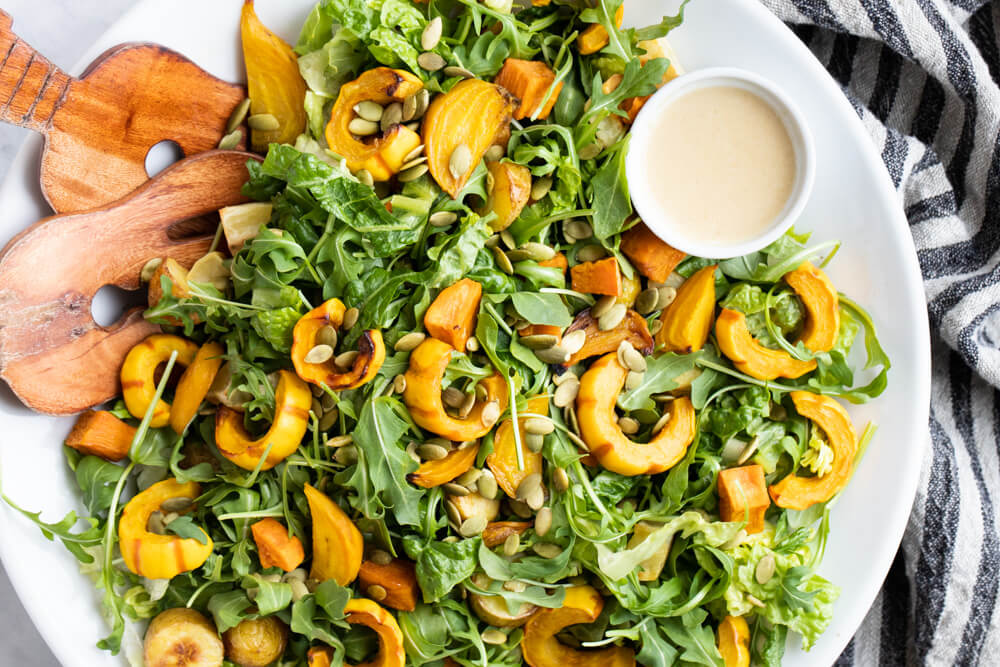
(641, 145)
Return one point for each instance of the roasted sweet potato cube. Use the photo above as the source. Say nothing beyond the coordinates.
(558, 262)
(595, 36)
(528, 81)
(652, 257)
(743, 496)
(100, 433)
(398, 578)
(600, 277)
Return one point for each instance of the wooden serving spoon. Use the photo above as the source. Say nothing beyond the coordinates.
(99, 128)
(53, 354)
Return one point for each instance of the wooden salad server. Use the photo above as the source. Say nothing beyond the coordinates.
(53, 354)
(99, 128)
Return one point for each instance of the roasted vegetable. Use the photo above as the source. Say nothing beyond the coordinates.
(151, 554)
(182, 637)
(337, 545)
(652, 257)
(822, 304)
(542, 647)
(435, 473)
(654, 48)
(688, 320)
(600, 277)
(383, 156)
(398, 578)
(559, 262)
(256, 642)
(492, 609)
(273, 82)
(498, 531)
(630, 290)
(390, 648)
(451, 317)
(632, 328)
(242, 222)
(100, 433)
(734, 641)
(751, 357)
(799, 493)
(508, 192)
(595, 37)
(138, 374)
(649, 569)
(595, 407)
(275, 547)
(529, 81)
(474, 504)
(423, 395)
(291, 419)
(471, 114)
(743, 496)
(371, 350)
(503, 460)
(179, 289)
(194, 385)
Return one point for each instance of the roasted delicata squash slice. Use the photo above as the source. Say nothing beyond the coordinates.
(306, 336)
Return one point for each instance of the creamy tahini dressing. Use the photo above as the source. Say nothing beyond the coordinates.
(721, 164)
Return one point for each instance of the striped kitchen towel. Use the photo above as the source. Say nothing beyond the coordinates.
(923, 75)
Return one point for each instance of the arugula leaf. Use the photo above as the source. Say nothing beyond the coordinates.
(612, 204)
(661, 374)
(695, 637)
(96, 479)
(228, 609)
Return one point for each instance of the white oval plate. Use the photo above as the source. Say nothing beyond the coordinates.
(853, 200)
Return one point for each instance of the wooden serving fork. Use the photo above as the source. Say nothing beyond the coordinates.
(53, 354)
(99, 128)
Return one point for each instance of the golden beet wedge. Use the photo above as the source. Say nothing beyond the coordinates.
(503, 460)
(799, 493)
(688, 320)
(734, 641)
(615, 451)
(337, 545)
(509, 195)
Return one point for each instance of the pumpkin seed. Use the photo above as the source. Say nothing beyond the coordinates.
(539, 425)
(409, 108)
(392, 115)
(612, 318)
(661, 422)
(765, 569)
(452, 397)
(467, 404)
(412, 174)
(590, 253)
(328, 420)
(178, 504)
(327, 335)
(454, 70)
(512, 544)
(411, 451)
(149, 268)
(556, 354)
(647, 300)
(431, 35)
(345, 360)
(494, 153)
(230, 141)
(472, 345)
(409, 342)
(654, 327)
(298, 574)
(536, 499)
(493, 636)
(503, 261)
(481, 392)
(518, 255)
(666, 297)
(528, 486)
(590, 151)
(317, 408)
(538, 251)
(490, 414)
(569, 414)
(543, 521)
(299, 589)
(329, 402)
(547, 549)
(376, 592)
(414, 154)
(431, 62)
(633, 380)
(340, 441)
(563, 377)
(238, 115)
(319, 354)
(399, 383)
(442, 218)
(560, 479)
(347, 455)
(520, 509)
(534, 442)
(574, 340)
(541, 187)
(369, 110)
(515, 586)
(603, 305)
(492, 242)
(431, 452)
(508, 239)
(460, 161)
(350, 318)
(316, 390)
(539, 341)
(469, 477)
(413, 127)
(364, 176)
(362, 127)
(578, 228)
(472, 526)
(749, 451)
(628, 425)
(566, 393)
(487, 485)
(454, 489)
(263, 122)
(423, 101)
(634, 360)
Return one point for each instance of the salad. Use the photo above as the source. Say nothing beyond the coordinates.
(436, 396)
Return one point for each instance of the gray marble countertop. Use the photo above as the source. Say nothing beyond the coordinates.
(61, 30)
